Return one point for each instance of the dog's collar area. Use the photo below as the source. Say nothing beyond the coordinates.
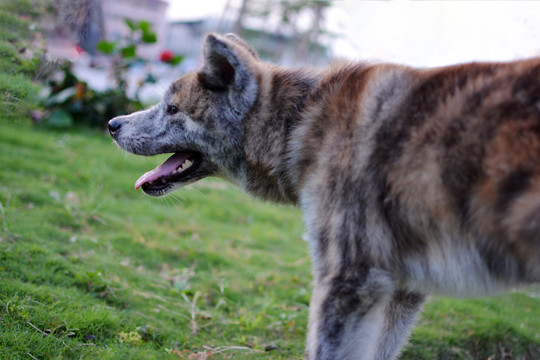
(173, 170)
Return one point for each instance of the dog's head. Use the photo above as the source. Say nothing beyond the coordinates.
(199, 120)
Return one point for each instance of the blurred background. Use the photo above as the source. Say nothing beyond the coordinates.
(139, 46)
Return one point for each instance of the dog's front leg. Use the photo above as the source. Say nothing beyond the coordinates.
(347, 315)
(399, 316)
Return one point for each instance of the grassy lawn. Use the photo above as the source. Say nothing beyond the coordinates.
(87, 258)
(91, 269)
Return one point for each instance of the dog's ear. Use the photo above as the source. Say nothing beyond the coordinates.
(238, 40)
(229, 66)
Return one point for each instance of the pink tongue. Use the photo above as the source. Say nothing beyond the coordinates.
(166, 168)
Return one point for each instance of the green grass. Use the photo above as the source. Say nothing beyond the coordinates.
(91, 269)
(17, 91)
(85, 254)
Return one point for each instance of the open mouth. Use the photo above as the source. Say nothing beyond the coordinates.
(175, 169)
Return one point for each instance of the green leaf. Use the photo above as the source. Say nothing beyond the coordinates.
(145, 26)
(176, 60)
(60, 119)
(131, 24)
(150, 79)
(149, 37)
(106, 47)
(60, 97)
(128, 51)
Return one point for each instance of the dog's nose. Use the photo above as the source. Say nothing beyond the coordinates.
(114, 126)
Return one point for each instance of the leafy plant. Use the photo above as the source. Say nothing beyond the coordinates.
(131, 338)
(123, 52)
(93, 281)
(69, 100)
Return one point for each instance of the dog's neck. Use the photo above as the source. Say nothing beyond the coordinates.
(283, 96)
(289, 99)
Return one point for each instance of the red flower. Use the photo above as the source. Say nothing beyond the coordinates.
(166, 56)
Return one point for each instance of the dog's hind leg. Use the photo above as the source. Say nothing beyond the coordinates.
(347, 315)
(399, 316)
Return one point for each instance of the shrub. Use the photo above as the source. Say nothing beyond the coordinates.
(69, 100)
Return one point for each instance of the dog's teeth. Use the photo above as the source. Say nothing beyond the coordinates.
(187, 164)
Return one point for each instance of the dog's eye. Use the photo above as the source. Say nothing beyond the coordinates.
(171, 109)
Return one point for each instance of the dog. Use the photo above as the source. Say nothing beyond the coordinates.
(411, 181)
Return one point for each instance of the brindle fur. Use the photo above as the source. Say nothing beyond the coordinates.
(411, 181)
